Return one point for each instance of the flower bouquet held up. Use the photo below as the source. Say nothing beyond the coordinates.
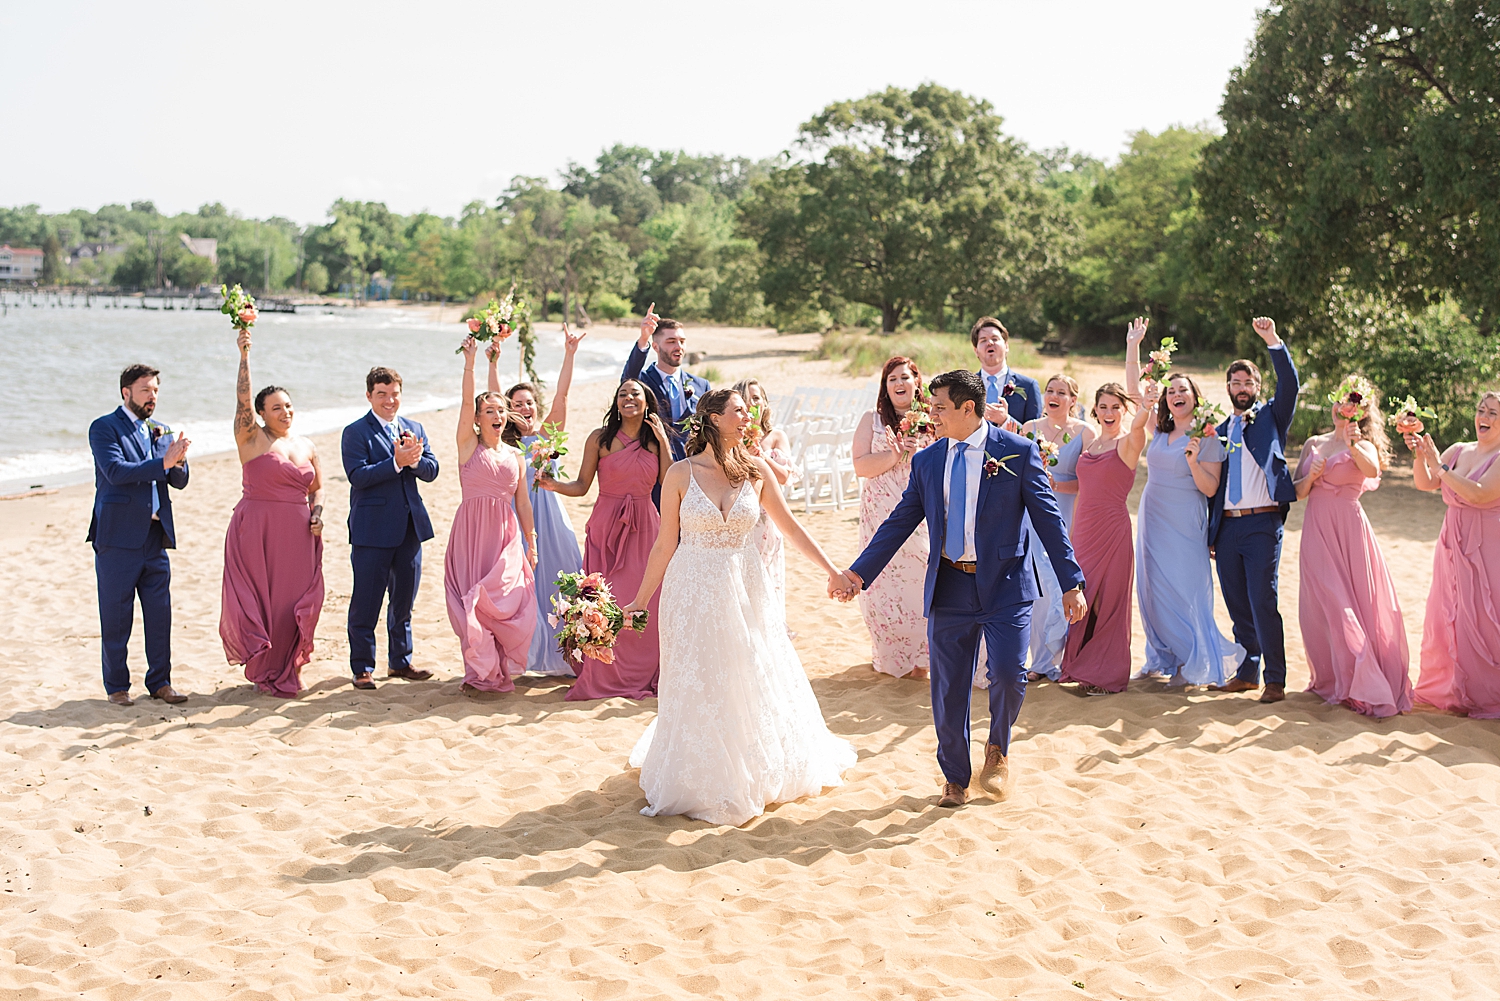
(587, 619)
(1407, 417)
(550, 445)
(1348, 401)
(239, 306)
(915, 422)
(1206, 419)
(494, 322)
(1159, 363)
(1051, 450)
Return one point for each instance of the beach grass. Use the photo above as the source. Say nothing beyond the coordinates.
(866, 351)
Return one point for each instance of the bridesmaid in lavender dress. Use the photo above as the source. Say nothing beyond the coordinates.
(630, 454)
(1461, 636)
(892, 605)
(487, 570)
(1351, 621)
(775, 448)
(273, 552)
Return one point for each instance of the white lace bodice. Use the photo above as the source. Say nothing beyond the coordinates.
(704, 526)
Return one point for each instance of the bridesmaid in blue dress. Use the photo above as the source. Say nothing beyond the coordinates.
(1174, 582)
(557, 545)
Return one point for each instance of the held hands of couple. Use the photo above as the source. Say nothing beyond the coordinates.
(844, 585)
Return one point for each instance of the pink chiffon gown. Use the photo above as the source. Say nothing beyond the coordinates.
(1098, 650)
(273, 575)
(1461, 636)
(488, 584)
(893, 604)
(1351, 621)
(617, 543)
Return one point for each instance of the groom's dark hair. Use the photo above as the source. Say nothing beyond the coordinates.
(961, 385)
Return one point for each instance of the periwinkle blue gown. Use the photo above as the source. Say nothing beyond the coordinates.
(1049, 627)
(1174, 582)
(556, 552)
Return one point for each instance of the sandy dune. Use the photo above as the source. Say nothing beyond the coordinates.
(412, 842)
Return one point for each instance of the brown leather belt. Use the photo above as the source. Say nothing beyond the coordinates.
(1244, 511)
(966, 566)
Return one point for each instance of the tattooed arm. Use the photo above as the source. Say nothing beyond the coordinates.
(246, 432)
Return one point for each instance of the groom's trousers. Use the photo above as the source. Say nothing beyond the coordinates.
(954, 627)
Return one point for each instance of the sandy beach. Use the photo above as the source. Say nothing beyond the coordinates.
(413, 842)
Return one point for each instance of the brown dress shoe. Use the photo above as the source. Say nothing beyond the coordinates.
(953, 795)
(169, 695)
(121, 698)
(408, 674)
(1273, 693)
(365, 682)
(1239, 685)
(994, 777)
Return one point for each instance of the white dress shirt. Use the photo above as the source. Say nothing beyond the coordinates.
(1000, 377)
(393, 432)
(144, 434)
(1254, 491)
(974, 468)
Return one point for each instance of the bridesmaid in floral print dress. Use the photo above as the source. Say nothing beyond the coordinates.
(892, 605)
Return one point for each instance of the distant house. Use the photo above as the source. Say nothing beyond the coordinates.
(19, 263)
(88, 251)
(201, 246)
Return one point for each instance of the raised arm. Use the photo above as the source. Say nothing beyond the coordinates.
(665, 546)
(586, 470)
(1284, 403)
(464, 432)
(558, 414)
(637, 359)
(492, 355)
(246, 432)
(1134, 441)
(1134, 335)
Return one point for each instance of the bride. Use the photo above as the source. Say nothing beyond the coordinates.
(737, 725)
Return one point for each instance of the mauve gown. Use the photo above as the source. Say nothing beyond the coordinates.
(1098, 651)
(617, 543)
(488, 584)
(1351, 621)
(1461, 636)
(273, 575)
(556, 551)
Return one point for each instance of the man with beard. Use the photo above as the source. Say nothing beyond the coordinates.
(677, 391)
(135, 459)
(1248, 510)
(1007, 393)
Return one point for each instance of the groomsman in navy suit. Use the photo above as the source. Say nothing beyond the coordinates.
(132, 530)
(384, 457)
(1247, 513)
(1021, 396)
(976, 487)
(677, 390)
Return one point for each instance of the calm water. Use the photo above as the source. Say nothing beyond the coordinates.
(63, 367)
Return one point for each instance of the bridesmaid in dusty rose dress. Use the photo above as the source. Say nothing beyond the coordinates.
(892, 605)
(1351, 621)
(273, 552)
(1461, 637)
(630, 454)
(487, 571)
(1098, 652)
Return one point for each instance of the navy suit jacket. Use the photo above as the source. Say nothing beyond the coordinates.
(635, 368)
(380, 497)
(123, 474)
(1001, 545)
(1022, 395)
(1266, 439)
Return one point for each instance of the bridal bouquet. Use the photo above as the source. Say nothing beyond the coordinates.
(239, 306)
(1206, 419)
(550, 445)
(494, 322)
(1159, 363)
(755, 430)
(915, 422)
(1407, 417)
(587, 619)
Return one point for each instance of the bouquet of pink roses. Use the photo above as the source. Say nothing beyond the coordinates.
(1206, 420)
(494, 322)
(239, 306)
(550, 445)
(1408, 416)
(915, 422)
(587, 619)
(1050, 450)
(755, 430)
(1159, 363)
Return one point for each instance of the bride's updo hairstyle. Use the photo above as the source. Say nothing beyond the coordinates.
(736, 462)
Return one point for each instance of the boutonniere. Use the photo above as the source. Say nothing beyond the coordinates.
(687, 390)
(156, 429)
(992, 465)
(1011, 389)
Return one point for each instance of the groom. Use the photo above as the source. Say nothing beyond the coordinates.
(975, 487)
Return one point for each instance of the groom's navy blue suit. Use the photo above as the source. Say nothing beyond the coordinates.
(387, 525)
(995, 600)
(130, 545)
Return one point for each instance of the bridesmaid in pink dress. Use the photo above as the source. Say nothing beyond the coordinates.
(273, 551)
(1351, 621)
(893, 605)
(1461, 636)
(1097, 656)
(487, 571)
(630, 454)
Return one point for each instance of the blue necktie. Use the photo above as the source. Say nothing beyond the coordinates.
(146, 434)
(958, 501)
(675, 392)
(1236, 442)
(992, 392)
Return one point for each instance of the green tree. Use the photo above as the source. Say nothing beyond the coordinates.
(360, 239)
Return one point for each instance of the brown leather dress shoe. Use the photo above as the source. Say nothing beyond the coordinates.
(169, 695)
(1239, 685)
(121, 698)
(408, 674)
(994, 777)
(953, 795)
(365, 682)
(1273, 693)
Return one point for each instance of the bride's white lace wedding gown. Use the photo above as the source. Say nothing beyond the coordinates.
(737, 724)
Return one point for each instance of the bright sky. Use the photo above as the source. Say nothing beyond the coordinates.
(278, 108)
